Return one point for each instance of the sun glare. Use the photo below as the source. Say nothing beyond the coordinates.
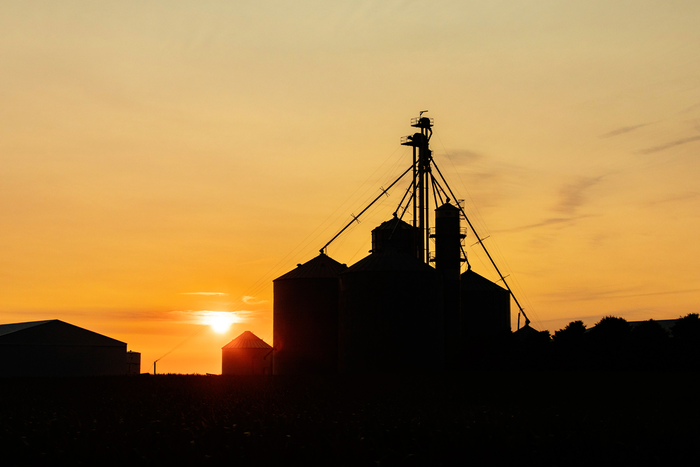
(220, 321)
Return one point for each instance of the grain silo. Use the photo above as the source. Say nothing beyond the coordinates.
(305, 313)
(56, 348)
(448, 262)
(247, 354)
(398, 234)
(391, 316)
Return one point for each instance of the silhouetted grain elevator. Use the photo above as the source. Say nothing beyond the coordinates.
(391, 311)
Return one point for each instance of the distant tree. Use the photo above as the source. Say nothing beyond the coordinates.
(568, 346)
(611, 330)
(571, 334)
(608, 343)
(686, 341)
(687, 328)
(649, 333)
(649, 346)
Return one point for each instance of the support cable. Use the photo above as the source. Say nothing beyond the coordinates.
(527, 320)
(464, 253)
(436, 193)
(196, 333)
(413, 196)
(323, 249)
(408, 190)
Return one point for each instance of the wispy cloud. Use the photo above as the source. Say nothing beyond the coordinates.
(625, 129)
(545, 223)
(482, 177)
(580, 296)
(464, 156)
(248, 300)
(690, 109)
(203, 316)
(572, 195)
(570, 198)
(672, 144)
(676, 199)
(203, 293)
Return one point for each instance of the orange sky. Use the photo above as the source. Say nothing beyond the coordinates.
(152, 152)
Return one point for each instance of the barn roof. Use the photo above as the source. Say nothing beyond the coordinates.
(52, 332)
(473, 281)
(247, 340)
(10, 328)
(320, 267)
(526, 333)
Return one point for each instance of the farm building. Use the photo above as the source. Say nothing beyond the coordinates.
(247, 354)
(56, 348)
(133, 363)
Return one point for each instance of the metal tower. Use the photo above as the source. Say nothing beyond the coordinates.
(424, 185)
(422, 160)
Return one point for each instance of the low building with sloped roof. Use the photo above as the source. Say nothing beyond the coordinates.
(56, 348)
(485, 309)
(247, 354)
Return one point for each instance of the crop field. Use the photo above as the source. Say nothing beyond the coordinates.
(536, 418)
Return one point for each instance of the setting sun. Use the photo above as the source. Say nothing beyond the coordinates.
(220, 321)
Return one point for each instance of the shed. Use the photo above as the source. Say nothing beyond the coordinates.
(133, 363)
(247, 354)
(485, 309)
(56, 348)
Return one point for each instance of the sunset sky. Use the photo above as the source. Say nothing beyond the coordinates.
(164, 160)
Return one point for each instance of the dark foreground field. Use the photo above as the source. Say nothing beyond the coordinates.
(478, 419)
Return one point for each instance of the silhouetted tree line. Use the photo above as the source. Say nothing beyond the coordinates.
(613, 344)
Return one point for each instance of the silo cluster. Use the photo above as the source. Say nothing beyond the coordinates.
(390, 311)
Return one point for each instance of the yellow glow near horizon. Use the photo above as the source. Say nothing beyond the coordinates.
(163, 160)
(220, 321)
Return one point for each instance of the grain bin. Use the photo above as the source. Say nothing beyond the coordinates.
(398, 234)
(391, 315)
(448, 261)
(247, 354)
(305, 314)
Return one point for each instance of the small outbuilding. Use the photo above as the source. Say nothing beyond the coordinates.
(56, 348)
(133, 363)
(247, 354)
(485, 308)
